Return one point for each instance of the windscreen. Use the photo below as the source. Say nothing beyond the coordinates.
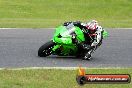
(70, 29)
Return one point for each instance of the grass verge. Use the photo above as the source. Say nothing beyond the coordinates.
(55, 78)
(50, 13)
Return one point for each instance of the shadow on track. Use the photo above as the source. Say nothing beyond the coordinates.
(63, 57)
(67, 58)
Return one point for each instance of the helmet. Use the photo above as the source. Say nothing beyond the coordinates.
(92, 25)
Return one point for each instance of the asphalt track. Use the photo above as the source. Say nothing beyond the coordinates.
(19, 47)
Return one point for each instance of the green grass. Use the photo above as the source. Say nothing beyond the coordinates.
(50, 13)
(44, 78)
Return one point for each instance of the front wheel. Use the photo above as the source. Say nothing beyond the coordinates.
(46, 49)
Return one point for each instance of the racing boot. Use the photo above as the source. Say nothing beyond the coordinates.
(87, 56)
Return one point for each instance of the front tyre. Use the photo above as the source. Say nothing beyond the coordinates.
(46, 49)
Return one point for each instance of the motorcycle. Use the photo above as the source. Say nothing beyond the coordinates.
(62, 43)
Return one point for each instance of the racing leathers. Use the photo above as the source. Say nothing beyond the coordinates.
(93, 38)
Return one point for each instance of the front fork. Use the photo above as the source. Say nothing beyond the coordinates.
(55, 48)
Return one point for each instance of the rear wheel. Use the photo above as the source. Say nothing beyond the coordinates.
(46, 49)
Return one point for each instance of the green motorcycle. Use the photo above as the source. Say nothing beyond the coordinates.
(62, 42)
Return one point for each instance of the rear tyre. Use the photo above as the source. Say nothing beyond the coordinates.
(46, 49)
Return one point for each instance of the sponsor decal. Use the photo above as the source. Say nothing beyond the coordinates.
(83, 78)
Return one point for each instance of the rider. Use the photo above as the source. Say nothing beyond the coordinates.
(93, 34)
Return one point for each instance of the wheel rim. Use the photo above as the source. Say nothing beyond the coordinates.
(47, 51)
